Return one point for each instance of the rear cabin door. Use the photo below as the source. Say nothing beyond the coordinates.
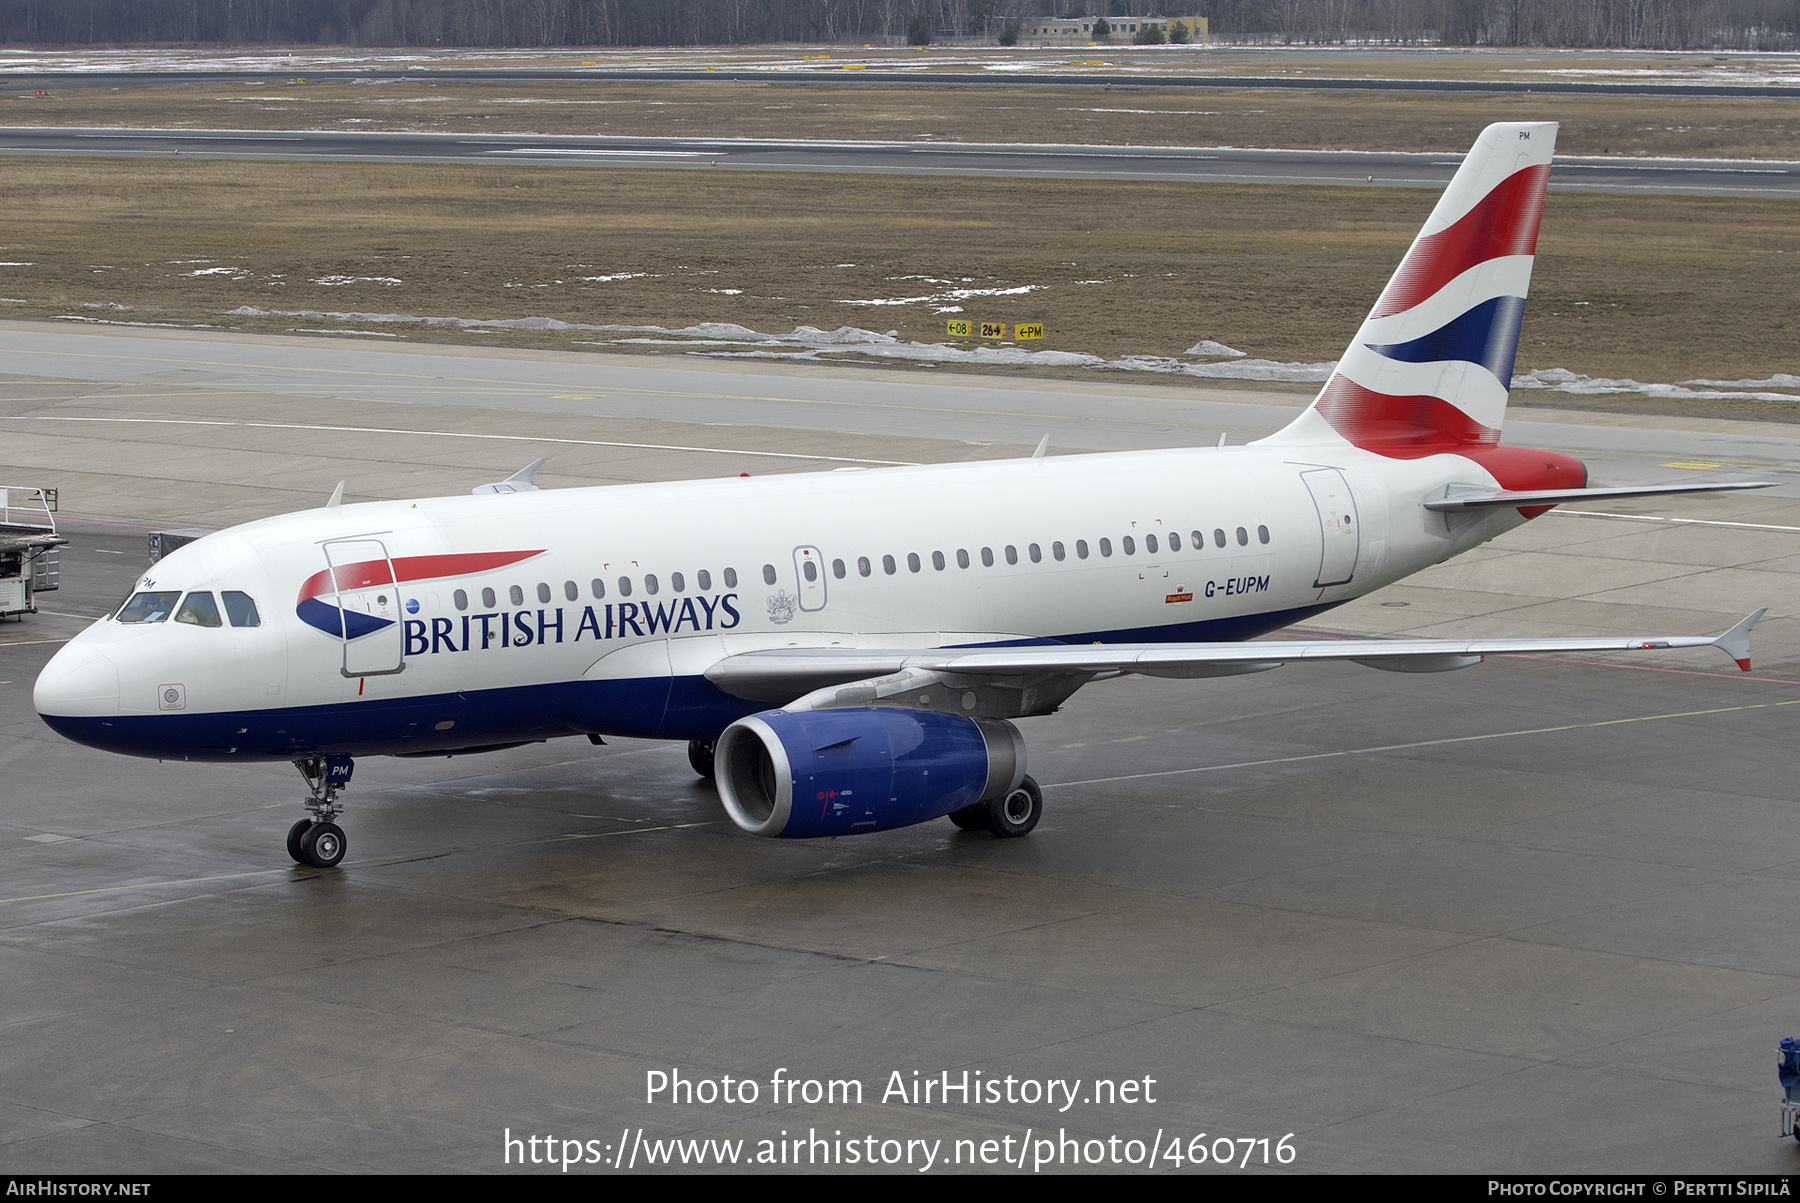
(1338, 525)
(368, 604)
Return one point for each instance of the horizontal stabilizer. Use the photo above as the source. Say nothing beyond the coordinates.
(1464, 497)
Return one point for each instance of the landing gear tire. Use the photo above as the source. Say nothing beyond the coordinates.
(323, 845)
(295, 834)
(1016, 812)
(970, 818)
(700, 756)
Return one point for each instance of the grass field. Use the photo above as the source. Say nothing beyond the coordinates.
(1591, 125)
(1649, 288)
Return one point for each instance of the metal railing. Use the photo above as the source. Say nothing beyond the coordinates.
(27, 508)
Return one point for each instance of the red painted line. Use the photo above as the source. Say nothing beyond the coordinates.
(99, 522)
(1651, 668)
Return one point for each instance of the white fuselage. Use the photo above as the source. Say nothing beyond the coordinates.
(616, 599)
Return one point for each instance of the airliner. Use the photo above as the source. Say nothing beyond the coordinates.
(846, 652)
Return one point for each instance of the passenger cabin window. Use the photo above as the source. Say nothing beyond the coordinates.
(460, 597)
(624, 586)
(517, 594)
(1197, 540)
(1106, 547)
(543, 591)
(837, 569)
(863, 566)
(241, 610)
(1012, 554)
(962, 557)
(199, 610)
(487, 599)
(703, 578)
(148, 607)
(912, 561)
(1150, 544)
(987, 557)
(768, 574)
(1262, 534)
(598, 588)
(1130, 545)
(1219, 536)
(1243, 537)
(809, 570)
(571, 591)
(1037, 553)
(1081, 552)
(650, 585)
(1174, 541)
(677, 582)
(731, 578)
(1056, 549)
(887, 565)
(937, 560)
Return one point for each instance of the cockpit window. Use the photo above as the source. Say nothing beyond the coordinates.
(199, 610)
(242, 610)
(148, 607)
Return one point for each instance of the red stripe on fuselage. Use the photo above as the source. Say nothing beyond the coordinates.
(1504, 222)
(408, 568)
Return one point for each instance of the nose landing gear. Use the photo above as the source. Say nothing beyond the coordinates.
(319, 841)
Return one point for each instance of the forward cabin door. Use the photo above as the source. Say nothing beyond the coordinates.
(1338, 525)
(368, 604)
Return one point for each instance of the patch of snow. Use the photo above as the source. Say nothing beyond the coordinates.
(1561, 380)
(236, 273)
(1778, 380)
(954, 294)
(107, 321)
(1207, 346)
(340, 281)
(619, 276)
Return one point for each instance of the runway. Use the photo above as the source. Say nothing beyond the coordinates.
(1012, 77)
(1693, 177)
(1532, 917)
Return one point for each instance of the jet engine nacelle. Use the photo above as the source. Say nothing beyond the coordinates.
(801, 774)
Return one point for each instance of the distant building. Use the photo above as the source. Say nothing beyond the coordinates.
(1081, 29)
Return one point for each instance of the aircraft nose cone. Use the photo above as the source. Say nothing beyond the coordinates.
(79, 682)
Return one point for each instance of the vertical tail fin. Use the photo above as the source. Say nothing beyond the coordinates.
(1429, 370)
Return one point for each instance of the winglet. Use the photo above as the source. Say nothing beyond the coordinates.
(1736, 642)
(519, 482)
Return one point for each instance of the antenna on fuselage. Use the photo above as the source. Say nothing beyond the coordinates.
(1221, 438)
(1043, 446)
(337, 497)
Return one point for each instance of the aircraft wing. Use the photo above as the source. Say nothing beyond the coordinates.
(830, 677)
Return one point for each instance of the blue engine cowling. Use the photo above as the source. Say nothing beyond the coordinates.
(811, 773)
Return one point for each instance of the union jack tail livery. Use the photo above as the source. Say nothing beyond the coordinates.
(1429, 370)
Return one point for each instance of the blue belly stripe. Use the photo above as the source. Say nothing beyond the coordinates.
(689, 707)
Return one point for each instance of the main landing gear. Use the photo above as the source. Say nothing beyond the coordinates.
(319, 841)
(1010, 815)
(700, 756)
